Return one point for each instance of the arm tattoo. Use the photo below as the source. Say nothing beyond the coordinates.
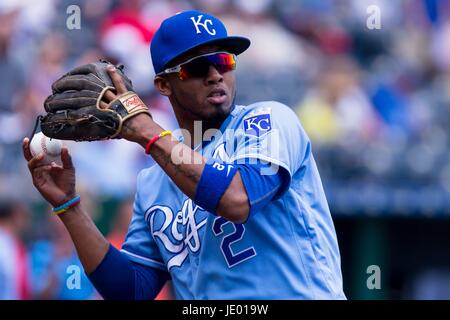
(165, 159)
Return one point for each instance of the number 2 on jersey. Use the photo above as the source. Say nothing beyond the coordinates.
(239, 229)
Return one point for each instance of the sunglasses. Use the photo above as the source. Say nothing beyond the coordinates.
(198, 67)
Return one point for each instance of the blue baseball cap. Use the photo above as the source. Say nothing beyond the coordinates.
(189, 30)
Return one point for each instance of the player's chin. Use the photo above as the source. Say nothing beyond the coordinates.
(215, 112)
(219, 110)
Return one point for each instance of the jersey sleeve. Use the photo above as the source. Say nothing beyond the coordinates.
(271, 132)
(260, 189)
(139, 245)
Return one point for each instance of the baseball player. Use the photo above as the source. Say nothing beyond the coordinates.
(238, 214)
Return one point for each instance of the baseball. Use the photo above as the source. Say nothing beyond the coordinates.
(51, 148)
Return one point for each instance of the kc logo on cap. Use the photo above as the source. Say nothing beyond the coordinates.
(203, 24)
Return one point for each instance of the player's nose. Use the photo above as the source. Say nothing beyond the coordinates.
(213, 76)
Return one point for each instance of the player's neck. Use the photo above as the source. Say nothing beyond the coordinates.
(194, 131)
(195, 128)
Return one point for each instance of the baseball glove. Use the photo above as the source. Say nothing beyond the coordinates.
(74, 111)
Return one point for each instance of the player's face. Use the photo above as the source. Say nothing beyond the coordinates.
(204, 94)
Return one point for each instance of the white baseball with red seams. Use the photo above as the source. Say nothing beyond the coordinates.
(51, 148)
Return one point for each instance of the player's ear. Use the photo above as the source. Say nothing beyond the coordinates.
(162, 84)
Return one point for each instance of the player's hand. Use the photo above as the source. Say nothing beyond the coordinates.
(54, 182)
(133, 127)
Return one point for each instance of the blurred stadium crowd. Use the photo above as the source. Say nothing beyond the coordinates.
(376, 104)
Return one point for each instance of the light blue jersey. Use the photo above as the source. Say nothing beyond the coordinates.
(287, 250)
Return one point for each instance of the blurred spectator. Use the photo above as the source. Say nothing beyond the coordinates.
(50, 64)
(337, 110)
(126, 37)
(273, 48)
(9, 68)
(14, 267)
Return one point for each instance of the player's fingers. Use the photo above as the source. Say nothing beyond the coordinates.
(117, 80)
(103, 105)
(36, 162)
(66, 158)
(56, 167)
(41, 174)
(43, 169)
(109, 96)
(26, 149)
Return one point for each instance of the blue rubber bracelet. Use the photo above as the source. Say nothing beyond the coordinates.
(67, 204)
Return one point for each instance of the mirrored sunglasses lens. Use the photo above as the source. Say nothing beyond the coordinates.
(224, 59)
(199, 67)
(196, 68)
(223, 62)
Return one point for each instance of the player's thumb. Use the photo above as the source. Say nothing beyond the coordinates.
(66, 159)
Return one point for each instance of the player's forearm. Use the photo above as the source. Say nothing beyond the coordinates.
(185, 167)
(90, 244)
